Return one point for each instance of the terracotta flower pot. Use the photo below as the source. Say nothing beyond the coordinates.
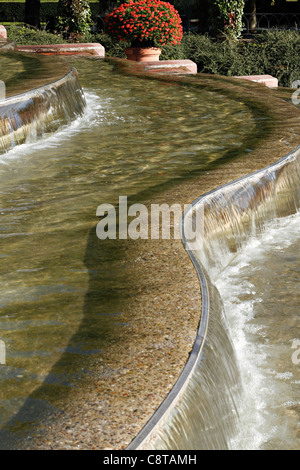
(143, 54)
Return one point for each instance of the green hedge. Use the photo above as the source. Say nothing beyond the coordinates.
(272, 52)
(24, 36)
(14, 12)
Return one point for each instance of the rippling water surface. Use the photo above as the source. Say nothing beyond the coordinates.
(62, 290)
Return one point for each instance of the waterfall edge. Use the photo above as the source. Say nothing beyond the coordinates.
(31, 115)
(251, 202)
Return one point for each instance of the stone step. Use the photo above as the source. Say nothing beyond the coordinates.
(267, 80)
(65, 49)
(174, 67)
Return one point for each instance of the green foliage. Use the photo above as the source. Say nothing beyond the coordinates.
(272, 52)
(25, 35)
(12, 12)
(74, 19)
(145, 22)
(172, 52)
(112, 48)
(280, 52)
(226, 17)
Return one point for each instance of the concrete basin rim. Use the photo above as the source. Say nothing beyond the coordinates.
(195, 356)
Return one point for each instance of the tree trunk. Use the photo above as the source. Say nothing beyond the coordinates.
(253, 19)
(32, 13)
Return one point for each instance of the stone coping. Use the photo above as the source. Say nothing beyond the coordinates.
(94, 49)
(185, 66)
(267, 80)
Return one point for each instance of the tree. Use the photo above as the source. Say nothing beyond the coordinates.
(226, 17)
(74, 18)
(32, 13)
(253, 20)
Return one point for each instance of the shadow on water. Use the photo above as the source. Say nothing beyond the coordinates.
(107, 291)
(110, 286)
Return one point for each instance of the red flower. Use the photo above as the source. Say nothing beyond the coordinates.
(155, 20)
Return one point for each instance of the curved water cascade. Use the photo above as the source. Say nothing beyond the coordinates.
(66, 312)
(32, 114)
(207, 407)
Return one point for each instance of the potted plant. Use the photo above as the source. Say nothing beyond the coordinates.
(146, 25)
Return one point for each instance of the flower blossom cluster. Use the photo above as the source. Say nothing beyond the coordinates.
(145, 21)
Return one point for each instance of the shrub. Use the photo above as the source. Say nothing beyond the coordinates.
(272, 52)
(12, 12)
(172, 52)
(25, 35)
(226, 17)
(278, 53)
(112, 47)
(145, 23)
(74, 19)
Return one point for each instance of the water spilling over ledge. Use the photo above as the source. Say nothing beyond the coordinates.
(202, 410)
(109, 116)
(31, 115)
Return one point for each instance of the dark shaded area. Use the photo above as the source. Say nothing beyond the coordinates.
(32, 13)
(109, 288)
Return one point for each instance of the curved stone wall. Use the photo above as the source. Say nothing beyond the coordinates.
(45, 109)
(191, 415)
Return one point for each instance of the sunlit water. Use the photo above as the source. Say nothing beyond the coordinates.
(260, 289)
(62, 289)
(16, 71)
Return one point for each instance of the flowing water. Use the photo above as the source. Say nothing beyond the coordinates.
(23, 72)
(62, 291)
(243, 388)
(260, 290)
(253, 260)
